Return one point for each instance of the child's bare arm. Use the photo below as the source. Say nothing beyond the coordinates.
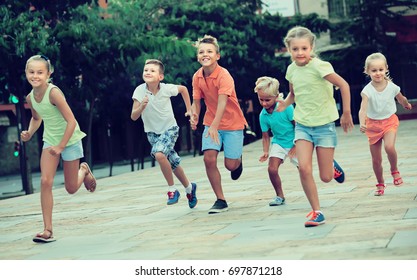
(403, 101)
(186, 97)
(346, 119)
(34, 124)
(362, 113)
(265, 145)
(138, 107)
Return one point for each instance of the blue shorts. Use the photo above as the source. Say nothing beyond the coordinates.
(70, 153)
(232, 141)
(321, 136)
(164, 143)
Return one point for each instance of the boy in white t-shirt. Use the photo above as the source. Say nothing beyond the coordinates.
(151, 100)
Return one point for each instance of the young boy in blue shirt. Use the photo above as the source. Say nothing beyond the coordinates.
(281, 124)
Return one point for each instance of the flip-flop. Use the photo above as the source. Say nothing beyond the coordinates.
(39, 238)
(90, 182)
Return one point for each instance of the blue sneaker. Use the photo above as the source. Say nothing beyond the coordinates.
(317, 218)
(339, 175)
(173, 197)
(192, 198)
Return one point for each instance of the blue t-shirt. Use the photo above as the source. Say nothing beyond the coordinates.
(280, 124)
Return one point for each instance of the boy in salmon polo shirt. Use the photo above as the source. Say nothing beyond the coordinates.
(223, 122)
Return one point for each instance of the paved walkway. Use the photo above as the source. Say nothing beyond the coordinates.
(127, 217)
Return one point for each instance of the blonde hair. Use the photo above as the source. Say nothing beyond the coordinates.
(268, 85)
(376, 56)
(299, 32)
(208, 39)
(156, 62)
(41, 57)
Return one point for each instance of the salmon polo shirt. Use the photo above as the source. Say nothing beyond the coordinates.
(220, 82)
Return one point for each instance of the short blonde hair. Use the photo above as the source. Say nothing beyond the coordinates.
(208, 39)
(268, 85)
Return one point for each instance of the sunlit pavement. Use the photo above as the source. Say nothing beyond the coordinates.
(127, 217)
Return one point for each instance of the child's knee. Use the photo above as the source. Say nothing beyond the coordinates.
(71, 188)
(326, 177)
(47, 183)
(159, 156)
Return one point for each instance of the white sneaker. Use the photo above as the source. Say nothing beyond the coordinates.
(277, 201)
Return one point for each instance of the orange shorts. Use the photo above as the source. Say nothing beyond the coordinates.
(376, 129)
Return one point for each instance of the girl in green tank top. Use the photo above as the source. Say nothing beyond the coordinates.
(62, 139)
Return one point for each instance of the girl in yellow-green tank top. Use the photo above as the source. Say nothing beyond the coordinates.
(62, 139)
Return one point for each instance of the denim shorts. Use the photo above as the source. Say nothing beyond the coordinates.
(232, 141)
(70, 153)
(321, 136)
(164, 143)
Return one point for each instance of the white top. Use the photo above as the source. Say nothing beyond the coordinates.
(158, 115)
(381, 104)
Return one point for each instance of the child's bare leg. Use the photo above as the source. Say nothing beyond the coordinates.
(377, 161)
(72, 182)
(165, 166)
(325, 163)
(273, 167)
(213, 173)
(304, 150)
(49, 164)
(389, 145)
(232, 164)
(179, 173)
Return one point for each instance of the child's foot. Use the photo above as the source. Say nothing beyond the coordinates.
(44, 237)
(235, 174)
(277, 201)
(317, 218)
(380, 189)
(192, 198)
(339, 175)
(173, 197)
(90, 182)
(218, 207)
(398, 181)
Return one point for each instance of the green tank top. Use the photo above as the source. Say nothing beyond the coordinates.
(54, 124)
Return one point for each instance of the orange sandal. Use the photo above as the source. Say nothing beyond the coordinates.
(44, 237)
(397, 181)
(380, 189)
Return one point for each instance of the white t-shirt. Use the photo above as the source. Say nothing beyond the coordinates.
(158, 115)
(381, 104)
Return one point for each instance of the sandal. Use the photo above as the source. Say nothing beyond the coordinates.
(44, 237)
(90, 182)
(397, 181)
(380, 188)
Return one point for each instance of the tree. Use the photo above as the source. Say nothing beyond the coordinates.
(108, 54)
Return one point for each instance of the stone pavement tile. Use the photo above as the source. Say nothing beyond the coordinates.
(405, 238)
(411, 213)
